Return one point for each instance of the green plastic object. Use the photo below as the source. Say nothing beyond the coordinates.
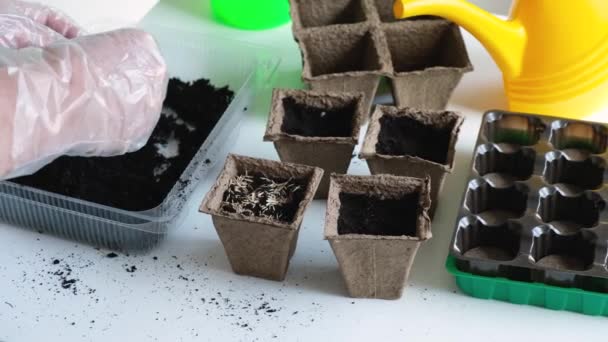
(251, 14)
(536, 294)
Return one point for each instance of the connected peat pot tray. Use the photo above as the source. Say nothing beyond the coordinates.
(349, 45)
(533, 226)
(131, 202)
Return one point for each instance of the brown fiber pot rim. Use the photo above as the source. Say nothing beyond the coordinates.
(378, 184)
(212, 203)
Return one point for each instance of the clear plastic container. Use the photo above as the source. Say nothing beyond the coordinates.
(243, 67)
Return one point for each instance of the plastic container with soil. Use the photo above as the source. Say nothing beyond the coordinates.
(533, 210)
(345, 58)
(138, 226)
(412, 142)
(429, 59)
(316, 128)
(375, 225)
(257, 208)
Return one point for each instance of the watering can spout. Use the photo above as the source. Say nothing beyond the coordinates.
(505, 40)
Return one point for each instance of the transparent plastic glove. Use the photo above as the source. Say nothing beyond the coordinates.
(96, 95)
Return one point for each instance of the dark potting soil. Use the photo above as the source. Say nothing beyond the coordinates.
(141, 180)
(262, 196)
(401, 136)
(309, 121)
(364, 214)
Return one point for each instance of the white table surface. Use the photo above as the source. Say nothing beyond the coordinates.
(156, 303)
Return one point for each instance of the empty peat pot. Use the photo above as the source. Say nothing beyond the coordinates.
(429, 58)
(412, 142)
(349, 58)
(257, 207)
(316, 128)
(308, 14)
(375, 225)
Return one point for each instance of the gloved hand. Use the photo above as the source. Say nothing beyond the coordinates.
(65, 93)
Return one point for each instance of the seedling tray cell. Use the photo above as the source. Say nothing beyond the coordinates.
(190, 57)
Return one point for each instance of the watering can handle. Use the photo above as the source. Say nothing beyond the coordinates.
(505, 40)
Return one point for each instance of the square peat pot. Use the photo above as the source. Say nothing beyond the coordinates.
(313, 13)
(345, 58)
(375, 225)
(260, 246)
(316, 128)
(429, 58)
(414, 143)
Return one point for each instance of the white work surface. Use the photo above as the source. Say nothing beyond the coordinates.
(163, 299)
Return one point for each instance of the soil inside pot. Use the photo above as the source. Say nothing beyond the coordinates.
(370, 215)
(263, 196)
(141, 180)
(401, 136)
(310, 121)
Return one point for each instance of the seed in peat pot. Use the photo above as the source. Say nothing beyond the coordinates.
(262, 196)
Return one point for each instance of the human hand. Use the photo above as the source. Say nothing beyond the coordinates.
(66, 93)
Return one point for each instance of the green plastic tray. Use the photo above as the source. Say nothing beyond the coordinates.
(536, 294)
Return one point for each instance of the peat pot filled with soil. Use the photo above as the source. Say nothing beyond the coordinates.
(257, 207)
(316, 128)
(414, 143)
(375, 225)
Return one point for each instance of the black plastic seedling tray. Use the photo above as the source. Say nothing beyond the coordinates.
(533, 209)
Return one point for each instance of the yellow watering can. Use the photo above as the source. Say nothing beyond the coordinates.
(553, 53)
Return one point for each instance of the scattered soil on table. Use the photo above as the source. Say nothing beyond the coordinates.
(225, 300)
(364, 214)
(400, 136)
(305, 120)
(263, 196)
(141, 180)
